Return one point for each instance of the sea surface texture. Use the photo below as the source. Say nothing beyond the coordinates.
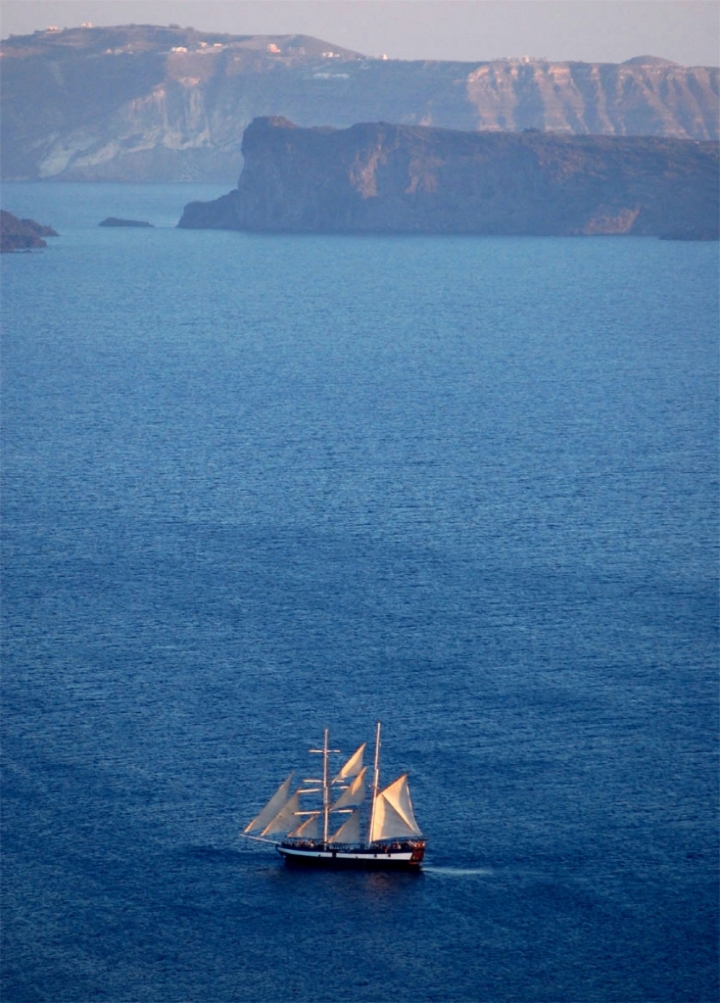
(256, 486)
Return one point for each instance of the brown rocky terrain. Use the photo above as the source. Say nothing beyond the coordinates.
(384, 178)
(147, 103)
(22, 234)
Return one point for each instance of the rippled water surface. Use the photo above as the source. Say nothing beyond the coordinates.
(259, 485)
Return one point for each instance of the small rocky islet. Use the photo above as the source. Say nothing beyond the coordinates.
(116, 221)
(22, 234)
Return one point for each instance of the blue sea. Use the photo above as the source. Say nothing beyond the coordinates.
(255, 486)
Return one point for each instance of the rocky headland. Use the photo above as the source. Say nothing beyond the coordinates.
(149, 103)
(22, 234)
(380, 178)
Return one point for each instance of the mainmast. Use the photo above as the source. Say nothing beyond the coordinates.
(376, 781)
(326, 792)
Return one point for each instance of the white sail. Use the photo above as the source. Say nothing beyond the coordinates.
(349, 832)
(285, 820)
(309, 828)
(353, 795)
(276, 802)
(393, 817)
(353, 766)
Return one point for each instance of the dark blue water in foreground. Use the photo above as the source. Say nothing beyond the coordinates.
(254, 486)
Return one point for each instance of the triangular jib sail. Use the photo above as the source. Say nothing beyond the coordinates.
(309, 829)
(353, 766)
(354, 795)
(274, 805)
(349, 832)
(393, 817)
(285, 818)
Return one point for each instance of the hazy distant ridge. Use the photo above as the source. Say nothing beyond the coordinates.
(143, 103)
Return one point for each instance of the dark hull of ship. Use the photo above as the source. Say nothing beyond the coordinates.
(406, 856)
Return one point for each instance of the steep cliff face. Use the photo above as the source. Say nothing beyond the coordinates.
(383, 178)
(643, 97)
(143, 103)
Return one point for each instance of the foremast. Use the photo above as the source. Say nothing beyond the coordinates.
(326, 791)
(376, 784)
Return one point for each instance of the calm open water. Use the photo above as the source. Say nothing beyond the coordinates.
(259, 485)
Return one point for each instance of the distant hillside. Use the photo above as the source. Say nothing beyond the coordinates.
(144, 103)
(379, 178)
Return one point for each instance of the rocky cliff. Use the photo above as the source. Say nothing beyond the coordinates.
(144, 103)
(383, 178)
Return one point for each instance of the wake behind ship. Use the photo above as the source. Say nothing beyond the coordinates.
(329, 823)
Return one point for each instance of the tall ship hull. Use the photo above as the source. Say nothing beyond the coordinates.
(341, 830)
(396, 857)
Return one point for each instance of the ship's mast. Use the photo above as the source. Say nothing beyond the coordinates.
(326, 784)
(326, 790)
(376, 781)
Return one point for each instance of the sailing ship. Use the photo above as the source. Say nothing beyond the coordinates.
(341, 829)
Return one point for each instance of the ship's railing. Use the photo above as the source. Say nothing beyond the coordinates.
(385, 847)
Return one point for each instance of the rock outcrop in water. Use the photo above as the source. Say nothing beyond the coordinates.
(381, 178)
(116, 221)
(22, 234)
(144, 103)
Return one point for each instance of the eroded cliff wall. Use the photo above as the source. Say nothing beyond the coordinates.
(141, 103)
(382, 178)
